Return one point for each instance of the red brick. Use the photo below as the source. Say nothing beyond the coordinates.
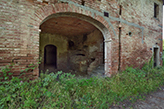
(19, 36)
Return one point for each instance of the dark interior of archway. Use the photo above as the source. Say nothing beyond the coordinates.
(78, 45)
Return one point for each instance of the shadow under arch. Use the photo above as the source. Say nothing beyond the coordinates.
(92, 21)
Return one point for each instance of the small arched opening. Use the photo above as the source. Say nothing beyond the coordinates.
(50, 57)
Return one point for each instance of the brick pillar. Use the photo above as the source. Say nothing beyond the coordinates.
(108, 57)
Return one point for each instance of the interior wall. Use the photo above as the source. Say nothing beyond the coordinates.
(87, 53)
(78, 54)
(60, 42)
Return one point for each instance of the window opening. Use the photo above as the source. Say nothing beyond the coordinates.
(45, 2)
(156, 10)
(82, 2)
(106, 14)
(120, 10)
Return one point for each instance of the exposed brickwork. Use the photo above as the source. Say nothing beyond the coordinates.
(20, 21)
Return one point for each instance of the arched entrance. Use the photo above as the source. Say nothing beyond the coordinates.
(50, 56)
(80, 46)
(95, 19)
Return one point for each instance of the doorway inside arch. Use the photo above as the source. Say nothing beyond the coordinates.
(156, 56)
(79, 46)
(50, 57)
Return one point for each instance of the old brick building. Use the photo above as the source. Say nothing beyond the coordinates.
(80, 35)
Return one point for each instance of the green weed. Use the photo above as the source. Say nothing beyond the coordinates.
(64, 90)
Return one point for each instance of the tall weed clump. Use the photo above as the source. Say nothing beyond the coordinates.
(133, 83)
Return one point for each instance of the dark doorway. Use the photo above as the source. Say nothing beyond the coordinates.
(103, 52)
(50, 56)
(155, 57)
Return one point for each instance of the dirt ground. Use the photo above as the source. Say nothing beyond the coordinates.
(154, 100)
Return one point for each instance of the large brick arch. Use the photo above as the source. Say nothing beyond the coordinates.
(42, 13)
(62, 9)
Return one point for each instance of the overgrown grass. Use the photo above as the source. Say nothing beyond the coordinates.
(66, 91)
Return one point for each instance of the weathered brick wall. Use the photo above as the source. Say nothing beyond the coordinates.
(146, 32)
(17, 41)
(20, 21)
